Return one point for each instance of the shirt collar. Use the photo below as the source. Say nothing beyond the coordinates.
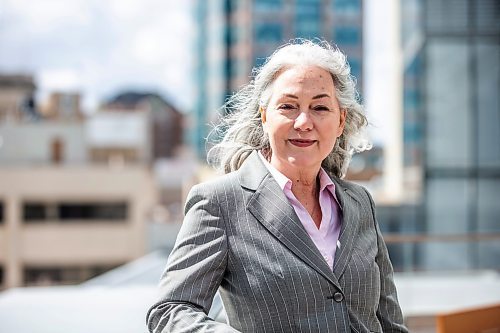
(284, 183)
(280, 178)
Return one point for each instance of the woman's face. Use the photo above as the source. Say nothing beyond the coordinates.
(303, 118)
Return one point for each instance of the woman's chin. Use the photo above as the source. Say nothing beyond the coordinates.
(303, 162)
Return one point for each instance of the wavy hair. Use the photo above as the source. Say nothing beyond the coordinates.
(241, 128)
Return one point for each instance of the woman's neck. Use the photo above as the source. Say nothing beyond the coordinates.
(305, 186)
(303, 179)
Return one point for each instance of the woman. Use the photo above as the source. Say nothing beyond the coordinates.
(290, 245)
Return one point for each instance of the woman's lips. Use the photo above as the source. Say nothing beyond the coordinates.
(302, 142)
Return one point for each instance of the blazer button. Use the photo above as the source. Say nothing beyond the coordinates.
(338, 297)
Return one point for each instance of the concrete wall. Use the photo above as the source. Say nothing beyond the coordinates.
(53, 243)
(31, 143)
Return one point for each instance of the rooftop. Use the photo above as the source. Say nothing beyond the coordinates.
(117, 301)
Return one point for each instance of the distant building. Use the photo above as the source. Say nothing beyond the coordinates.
(17, 101)
(236, 35)
(461, 100)
(79, 196)
(42, 143)
(143, 128)
(65, 225)
(165, 123)
(63, 107)
(451, 133)
(119, 137)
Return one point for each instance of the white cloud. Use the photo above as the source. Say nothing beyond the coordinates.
(60, 79)
(43, 16)
(148, 47)
(100, 46)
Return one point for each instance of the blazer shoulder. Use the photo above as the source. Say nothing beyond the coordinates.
(359, 191)
(216, 185)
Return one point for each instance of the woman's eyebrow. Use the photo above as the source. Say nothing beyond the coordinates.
(320, 96)
(290, 96)
(315, 97)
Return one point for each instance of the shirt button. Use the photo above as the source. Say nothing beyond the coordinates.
(338, 297)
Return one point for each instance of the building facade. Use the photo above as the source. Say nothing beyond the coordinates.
(461, 84)
(61, 225)
(451, 132)
(17, 100)
(78, 195)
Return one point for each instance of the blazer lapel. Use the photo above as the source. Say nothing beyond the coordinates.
(349, 228)
(271, 208)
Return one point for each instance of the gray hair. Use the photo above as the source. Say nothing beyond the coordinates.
(241, 129)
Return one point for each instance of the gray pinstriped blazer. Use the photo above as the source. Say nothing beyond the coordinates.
(241, 234)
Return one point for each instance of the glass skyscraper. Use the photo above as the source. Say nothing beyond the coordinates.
(461, 85)
(452, 132)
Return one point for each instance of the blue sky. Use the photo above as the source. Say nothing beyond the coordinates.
(100, 48)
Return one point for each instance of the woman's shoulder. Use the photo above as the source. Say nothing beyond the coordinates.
(252, 171)
(358, 190)
(350, 185)
(216, 184)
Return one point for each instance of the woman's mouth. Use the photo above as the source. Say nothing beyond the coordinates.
(302, 142)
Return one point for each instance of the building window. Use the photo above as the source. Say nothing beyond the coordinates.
(355, 67)
(74, 211)
(307, 19)
(446, 59)
(57, 151)
(347, 7)
(447, 16)
(308, 9)
(92, 211)
(267, 5)
(33, 211)
(47, 276)
(268, 32)
(347, 36)
(307, 29)
(488, 111)
(487, 12)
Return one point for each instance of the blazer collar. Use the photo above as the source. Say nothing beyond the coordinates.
(271, 208)
(350, 203)
(252, 172)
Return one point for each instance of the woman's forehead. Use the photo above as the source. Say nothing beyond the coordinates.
(300, 78)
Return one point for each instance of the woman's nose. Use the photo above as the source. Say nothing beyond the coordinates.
(303, 122)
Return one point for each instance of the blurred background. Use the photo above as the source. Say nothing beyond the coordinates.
(104, 112)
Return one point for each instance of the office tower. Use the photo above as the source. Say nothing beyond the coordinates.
(461, 81)
(451, 130)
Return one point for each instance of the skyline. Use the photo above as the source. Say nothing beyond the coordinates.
(100, 48)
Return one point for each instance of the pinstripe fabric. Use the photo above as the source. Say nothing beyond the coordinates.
(241, 234)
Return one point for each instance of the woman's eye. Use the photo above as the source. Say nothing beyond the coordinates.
(286, 107)
(321, 108)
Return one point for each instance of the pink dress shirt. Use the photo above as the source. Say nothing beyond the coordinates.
(327, 235)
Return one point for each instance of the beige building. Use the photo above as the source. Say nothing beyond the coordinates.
(63, 106)
(16, 97)
(79, 195)
(66, 224)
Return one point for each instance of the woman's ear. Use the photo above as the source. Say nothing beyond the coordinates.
(262, 112)
(343, 115)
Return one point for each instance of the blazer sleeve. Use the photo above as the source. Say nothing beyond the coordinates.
(194, 270)
(388, 312)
